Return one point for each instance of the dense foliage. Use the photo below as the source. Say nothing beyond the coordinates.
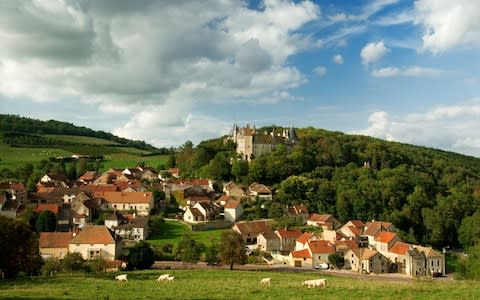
(25, 131)
(46, 222)
(232, 249)
(141, 256)
(18, 248)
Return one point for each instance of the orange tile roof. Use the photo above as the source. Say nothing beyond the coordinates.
(385, 237)
(232, 204)
(225, 198)
(46, 206)
(324, 218)
(252, 227)
(374, 227)
(54, 239)
(400, 248)
(321, 246)
(301, 254)
(284, 233)
(128, 197)
(357, 223)
(354, 230)
(96, 234)
(347, 244)
(305, 237)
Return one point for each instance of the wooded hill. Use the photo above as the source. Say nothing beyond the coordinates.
(19, 131)
(425, 192)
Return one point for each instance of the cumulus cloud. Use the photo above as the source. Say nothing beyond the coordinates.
(320, 70)
(413, 71)
(449, 127)
(338, 59)
(373, 52)
(148, 56)
(448, 24)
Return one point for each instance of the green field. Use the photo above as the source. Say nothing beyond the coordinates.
(129, 160)
(14, 157)
(79, 139)
(225, 284)
(171, 232)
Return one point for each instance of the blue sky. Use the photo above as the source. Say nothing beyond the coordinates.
(170, 71)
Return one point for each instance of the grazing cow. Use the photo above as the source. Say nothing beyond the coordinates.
(265, 281)
(171, 278)
(122, 277)
(163, 277)
(315, 283)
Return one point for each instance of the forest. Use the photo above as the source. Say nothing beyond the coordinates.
(424, 192)
(21, 131)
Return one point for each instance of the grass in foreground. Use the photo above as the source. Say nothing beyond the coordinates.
(225, 284)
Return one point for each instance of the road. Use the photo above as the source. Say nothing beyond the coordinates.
(283, 268)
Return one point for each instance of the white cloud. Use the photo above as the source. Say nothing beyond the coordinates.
(338, 59)
(145, 57)
(449, 127)
(448, 24)
(413, 71)
(372, 52)
(320, 70)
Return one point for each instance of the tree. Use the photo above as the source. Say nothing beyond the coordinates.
(188, 250)
(96, 265)
(51, 266)
(141, 256)
(469, 230)
(232, 249)
(336, 260)
(18, 248)
(46, 222)
(72, 262)
(211, 255)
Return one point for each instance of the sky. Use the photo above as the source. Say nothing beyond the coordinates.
(171, 71)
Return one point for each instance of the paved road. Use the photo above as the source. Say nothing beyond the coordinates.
(283, 268)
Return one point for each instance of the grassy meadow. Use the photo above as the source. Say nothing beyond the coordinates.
(172, 232)
(226, 284)
(14, 157)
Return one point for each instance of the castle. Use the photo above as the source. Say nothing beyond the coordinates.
(251, 144)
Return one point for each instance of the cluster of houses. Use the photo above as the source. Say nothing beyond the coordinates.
(124, 200)
(373, 247)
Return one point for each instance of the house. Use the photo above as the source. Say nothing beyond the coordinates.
(259, 190)
(59, 180)
(224, 199)
(96, 241)
(232, 189)
(201, 212)
(17, 191)
(81, 211)
(54, 244)
(268, 241)
(88, 177)
(141, 202)
(325, 221)
(415, 260)
(133, 229)
(114, 220)
(385, 240)
(315, 253)
(9, 207)
(193, 215)
(233, 210)
(435, 262)
(249, 230)
(298, 211)
(353, 229)
(365, 261)
(341, 247)
(288, 238)
(374, 227)
(333, 235)
(149, 174)
(54, 208)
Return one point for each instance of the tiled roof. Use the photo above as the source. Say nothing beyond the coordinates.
(225, 198)
(89, 176)
(54, 239)
(366, 253)
(357, 223)
(385, 237)
(259, 188)
(45, 206)
(301, 254)
(354, 230)
(97, 234)
(323, 218)
(305, 237)
(321, 246)
(400, 248)
(270, 235)
(252, 227)
(295, 233)
(128, 197)
(196, 212)
(232, 204)
(346, 244)
(374, 227)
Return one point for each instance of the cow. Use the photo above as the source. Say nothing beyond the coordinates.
(122, 277)
(315, 283)
(265, 281)
(170, 278)
(163, 277)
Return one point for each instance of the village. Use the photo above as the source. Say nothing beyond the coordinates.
(125, 198)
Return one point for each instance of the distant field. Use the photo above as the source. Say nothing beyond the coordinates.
(224, 284)
(128, 160)
(172, 232)
(13, 157)
(79, 139)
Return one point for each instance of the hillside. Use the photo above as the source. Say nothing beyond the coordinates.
(25, 140)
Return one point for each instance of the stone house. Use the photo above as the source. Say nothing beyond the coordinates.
(325, 221)
(54, 244)
(96, 241)
(268, 241)
(233, 210)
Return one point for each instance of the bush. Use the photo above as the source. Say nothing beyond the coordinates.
(72, 262)
(51, 267)
(141, 256)
(95, 265)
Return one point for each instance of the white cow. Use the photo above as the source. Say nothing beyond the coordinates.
(122, 277)
(265, 281)
(315, 283)
(171, 278)
(163, 277)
